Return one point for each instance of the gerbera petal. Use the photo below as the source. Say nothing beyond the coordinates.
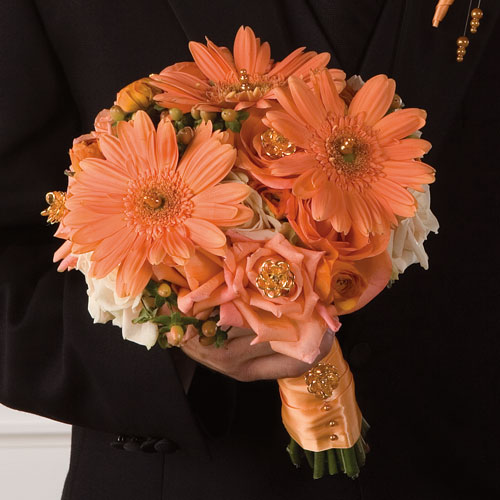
(157, 251)
(178, 246)
(207, 164)
(214, 212)
(110, 253)
(407, 149)
(374, 98)
(167, 151)
(399, 124)
(294, 164)
(317, 61)
(205, 234)
(229, 192)
(288, 127)
(99, 229)
(245, 49)
(134, 272)
(322, 204)
(400, 199)
(309, 183)
(329, 94)
(213, 64)
(309, 106)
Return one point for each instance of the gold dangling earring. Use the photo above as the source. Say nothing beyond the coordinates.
(463, 41)
(476, 15)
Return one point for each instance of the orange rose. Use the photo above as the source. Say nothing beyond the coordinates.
(267, 286)
(136, 95)
(351, 285)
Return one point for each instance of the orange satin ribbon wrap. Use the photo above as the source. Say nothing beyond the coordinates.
(310, 425)
(440, 11)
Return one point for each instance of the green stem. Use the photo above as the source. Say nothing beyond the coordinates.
(319, 464)
(365, 427)
(360, 452)
(340, 460)
(333, 468)
(310, 458)
(294, 452)
(350, 463)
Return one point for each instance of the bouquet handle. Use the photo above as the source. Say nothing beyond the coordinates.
(321, 415)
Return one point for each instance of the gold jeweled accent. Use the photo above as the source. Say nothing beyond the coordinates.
(275, 278)
(322, 380)
(476, 15)
(332, 423)
(244, 80)
(275, 145)
(56, 209)
(346, 147)
(154, 201)
(462, 43)
(326, 407)
(333, 437)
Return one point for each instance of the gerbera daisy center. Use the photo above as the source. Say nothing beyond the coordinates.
(154, 204)
(347, 154)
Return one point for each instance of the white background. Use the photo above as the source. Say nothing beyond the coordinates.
(34, 456)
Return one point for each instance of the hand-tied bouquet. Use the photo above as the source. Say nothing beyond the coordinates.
(236, 191)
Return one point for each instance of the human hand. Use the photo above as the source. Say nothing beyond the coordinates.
(246, 363)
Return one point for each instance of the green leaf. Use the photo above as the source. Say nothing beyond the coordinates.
(220, 337)
(243, 115)
(152, 287)
(144, 316)
(234, 126)
(163, 342)
(159, 301)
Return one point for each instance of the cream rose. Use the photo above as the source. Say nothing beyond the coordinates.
(262, 225)
(105, 305)
(406, 245)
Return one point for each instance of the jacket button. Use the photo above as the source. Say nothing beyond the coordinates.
(133, 444)
(165, 446)
(148, 445)
(118, 443)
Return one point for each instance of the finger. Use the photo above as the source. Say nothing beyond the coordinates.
(275, 366)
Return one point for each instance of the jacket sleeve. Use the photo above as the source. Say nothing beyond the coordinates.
(53, 360)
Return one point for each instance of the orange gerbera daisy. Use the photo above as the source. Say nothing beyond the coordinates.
(354, 164)
(218, 79)
(139, 206)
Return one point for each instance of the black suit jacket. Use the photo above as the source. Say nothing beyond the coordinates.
(423, 353)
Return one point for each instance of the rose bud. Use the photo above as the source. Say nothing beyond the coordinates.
(135, 96)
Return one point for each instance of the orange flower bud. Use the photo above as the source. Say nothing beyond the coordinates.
(85, 146)
(135, 96)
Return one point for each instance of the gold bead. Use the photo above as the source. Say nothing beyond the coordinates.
(326, 407)
(460, 59)
(164, 290)
(347, 146)
(332, 423)
(461, 51)
(333, 437)
(244, 81)
(476, 13)
(153, 201)
(462, 41)
(275, 145)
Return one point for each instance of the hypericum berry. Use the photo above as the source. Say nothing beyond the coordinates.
(164, 290)
(175, 114)
(229, 115)
(208, 328)
(117, 114)
(208, 115)
(206, 341)
(175, 335)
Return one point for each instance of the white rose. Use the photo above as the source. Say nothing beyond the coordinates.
(105, 305)
(406, 242)
(263, 225)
